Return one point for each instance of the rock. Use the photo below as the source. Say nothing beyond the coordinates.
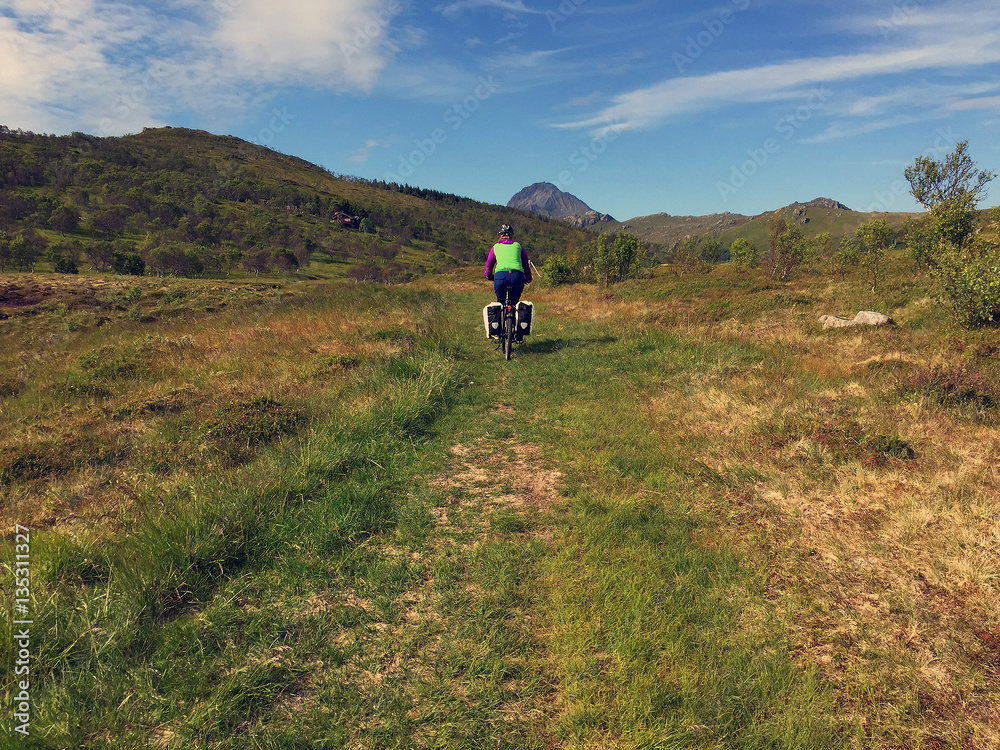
(579, 221)
(827, 203)
(868, 318)
(864, 318)
(832, 321)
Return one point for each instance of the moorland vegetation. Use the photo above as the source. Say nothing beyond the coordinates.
(290, 509)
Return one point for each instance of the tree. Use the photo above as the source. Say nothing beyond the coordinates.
(64, 219)
(744, 253)
(687, 257)
(935, 182)
(111, 220)
(257, 260)
(99, 255)
(820, 248)
(66, 264)
(614, 262)
(710, 250)
(127, 264)
(5, 250)
(964, 262)
(23, 253)
(786, 248)
(64, 257)
(876, 236)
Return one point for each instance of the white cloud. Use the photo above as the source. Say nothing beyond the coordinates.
(112, 68)
(57, 73)
(338, 43)
(647, 107)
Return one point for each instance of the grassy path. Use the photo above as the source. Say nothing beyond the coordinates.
(579, 548)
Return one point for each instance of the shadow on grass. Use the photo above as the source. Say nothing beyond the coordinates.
(551, 346)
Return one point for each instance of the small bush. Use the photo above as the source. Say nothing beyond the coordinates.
(239, 428)
(338, 362)
(557, 269)
(64, 264)
(849, 441)
(108, 363)
(954, 387)
(10, 385)
(59, 456)
(128, 264)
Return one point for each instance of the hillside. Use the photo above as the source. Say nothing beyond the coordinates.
(187, 202)
(815, 217)
(667, 230)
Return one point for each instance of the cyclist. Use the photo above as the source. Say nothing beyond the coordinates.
(508, 266)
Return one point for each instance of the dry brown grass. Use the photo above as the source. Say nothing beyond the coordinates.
(256, 340)
(886, 575)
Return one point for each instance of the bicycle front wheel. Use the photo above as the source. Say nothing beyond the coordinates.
(508, 336)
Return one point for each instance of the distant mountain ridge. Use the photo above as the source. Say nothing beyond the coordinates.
(815, 216)
(546, 199)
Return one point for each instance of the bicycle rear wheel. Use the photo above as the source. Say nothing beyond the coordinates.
(508, 329)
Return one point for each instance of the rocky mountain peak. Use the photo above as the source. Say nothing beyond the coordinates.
(826, 203)
(546, 199)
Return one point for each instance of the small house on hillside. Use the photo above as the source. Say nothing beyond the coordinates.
(346, 220)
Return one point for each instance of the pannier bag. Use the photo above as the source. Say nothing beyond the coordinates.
(525, 318)
(493, 319)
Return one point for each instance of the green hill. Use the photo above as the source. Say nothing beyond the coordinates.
(814, 217)
(191, 203)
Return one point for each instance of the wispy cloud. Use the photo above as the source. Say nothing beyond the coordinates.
(839, 130)
(985, 102)
(647, 107)
(362, 154)
(512, 6)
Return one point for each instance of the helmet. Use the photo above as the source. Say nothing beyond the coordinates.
(505, 230)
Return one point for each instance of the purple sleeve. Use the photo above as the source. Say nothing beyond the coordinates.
(526, 266)
(491, 261)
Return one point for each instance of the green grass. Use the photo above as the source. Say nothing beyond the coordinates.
(343, 520)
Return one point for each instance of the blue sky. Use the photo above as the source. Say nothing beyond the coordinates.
(635, 107)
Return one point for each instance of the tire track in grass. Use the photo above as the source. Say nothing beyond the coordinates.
(459, 649)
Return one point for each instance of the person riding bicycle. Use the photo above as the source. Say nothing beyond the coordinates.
(508, 266)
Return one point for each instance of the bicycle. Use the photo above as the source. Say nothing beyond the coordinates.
(508, 321)
(509, 327)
